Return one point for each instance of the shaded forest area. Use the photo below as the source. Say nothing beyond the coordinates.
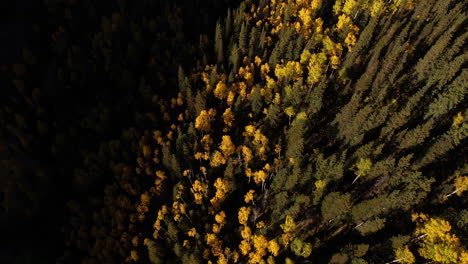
(282, 131)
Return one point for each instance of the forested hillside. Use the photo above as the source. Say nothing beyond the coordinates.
(299, 131)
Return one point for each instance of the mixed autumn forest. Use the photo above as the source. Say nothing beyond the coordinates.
(229, 131)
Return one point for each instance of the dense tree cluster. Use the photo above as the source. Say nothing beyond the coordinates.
(304, 131)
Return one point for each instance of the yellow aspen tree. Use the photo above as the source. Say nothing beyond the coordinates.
(220, 91)
(289, 224)
(258, 61)
(335, 61)
(243, 90)
(264, 70)
(220, 218)
(273, 247)
(437, 243)
(260, 225)
(228, 117)
(180, 117)
(222, 259)
(177, 209)
(260, 244)
(343, 22)
(291, 71)
(316, 67)
(202, 122)
(260, 176)
(217, 159)
(315, 5)
(460, 184)
(220, 195)
(350, 7)
(216, 228)
(243, 215)
(230, 98)
(246, 232)
(212, 113)
(199, 190)
(404, 255)
(249, 196)
(297, 26)
(248, 173)
(305, 56)
(331, 47)
(305, 17)
(245, 247)
(247, 154)
(259, 138)
(458, 119)
(227, 147)
(377, 7)
(350, 41)
(338, 6)
(206, 142)
(249, 131)
(203, 170)
(192, 232)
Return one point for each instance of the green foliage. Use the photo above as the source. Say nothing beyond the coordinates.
(300, 248)
(343, 117)
(335, 206)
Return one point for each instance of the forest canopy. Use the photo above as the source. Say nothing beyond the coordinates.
(260, 132)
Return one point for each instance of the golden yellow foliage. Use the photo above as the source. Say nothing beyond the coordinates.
(292, 70)
(316, 67)
(220, 218)
(246, 232)
(350, 6)
(437, 243)
(206, 142)
(249, 196)
(343, 22)
(289, 224)
(350, 41)
(260, 225)
(228, 117)
(227, 147)
(377, 7)
(217, 159)
(216, 228)
(243, 215)
(259, 138)
(247, 154)
(202, 122)
(249, 131)
(220, 195)
(245, 247)
(230, 98)
(404, 255)
(458, 119)
(192, 232)
(260, 176)
(305, 56)
(273, 247)
(335, 61)
(199, 190)
(220, 91)
(461, 184)
(315, 4)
